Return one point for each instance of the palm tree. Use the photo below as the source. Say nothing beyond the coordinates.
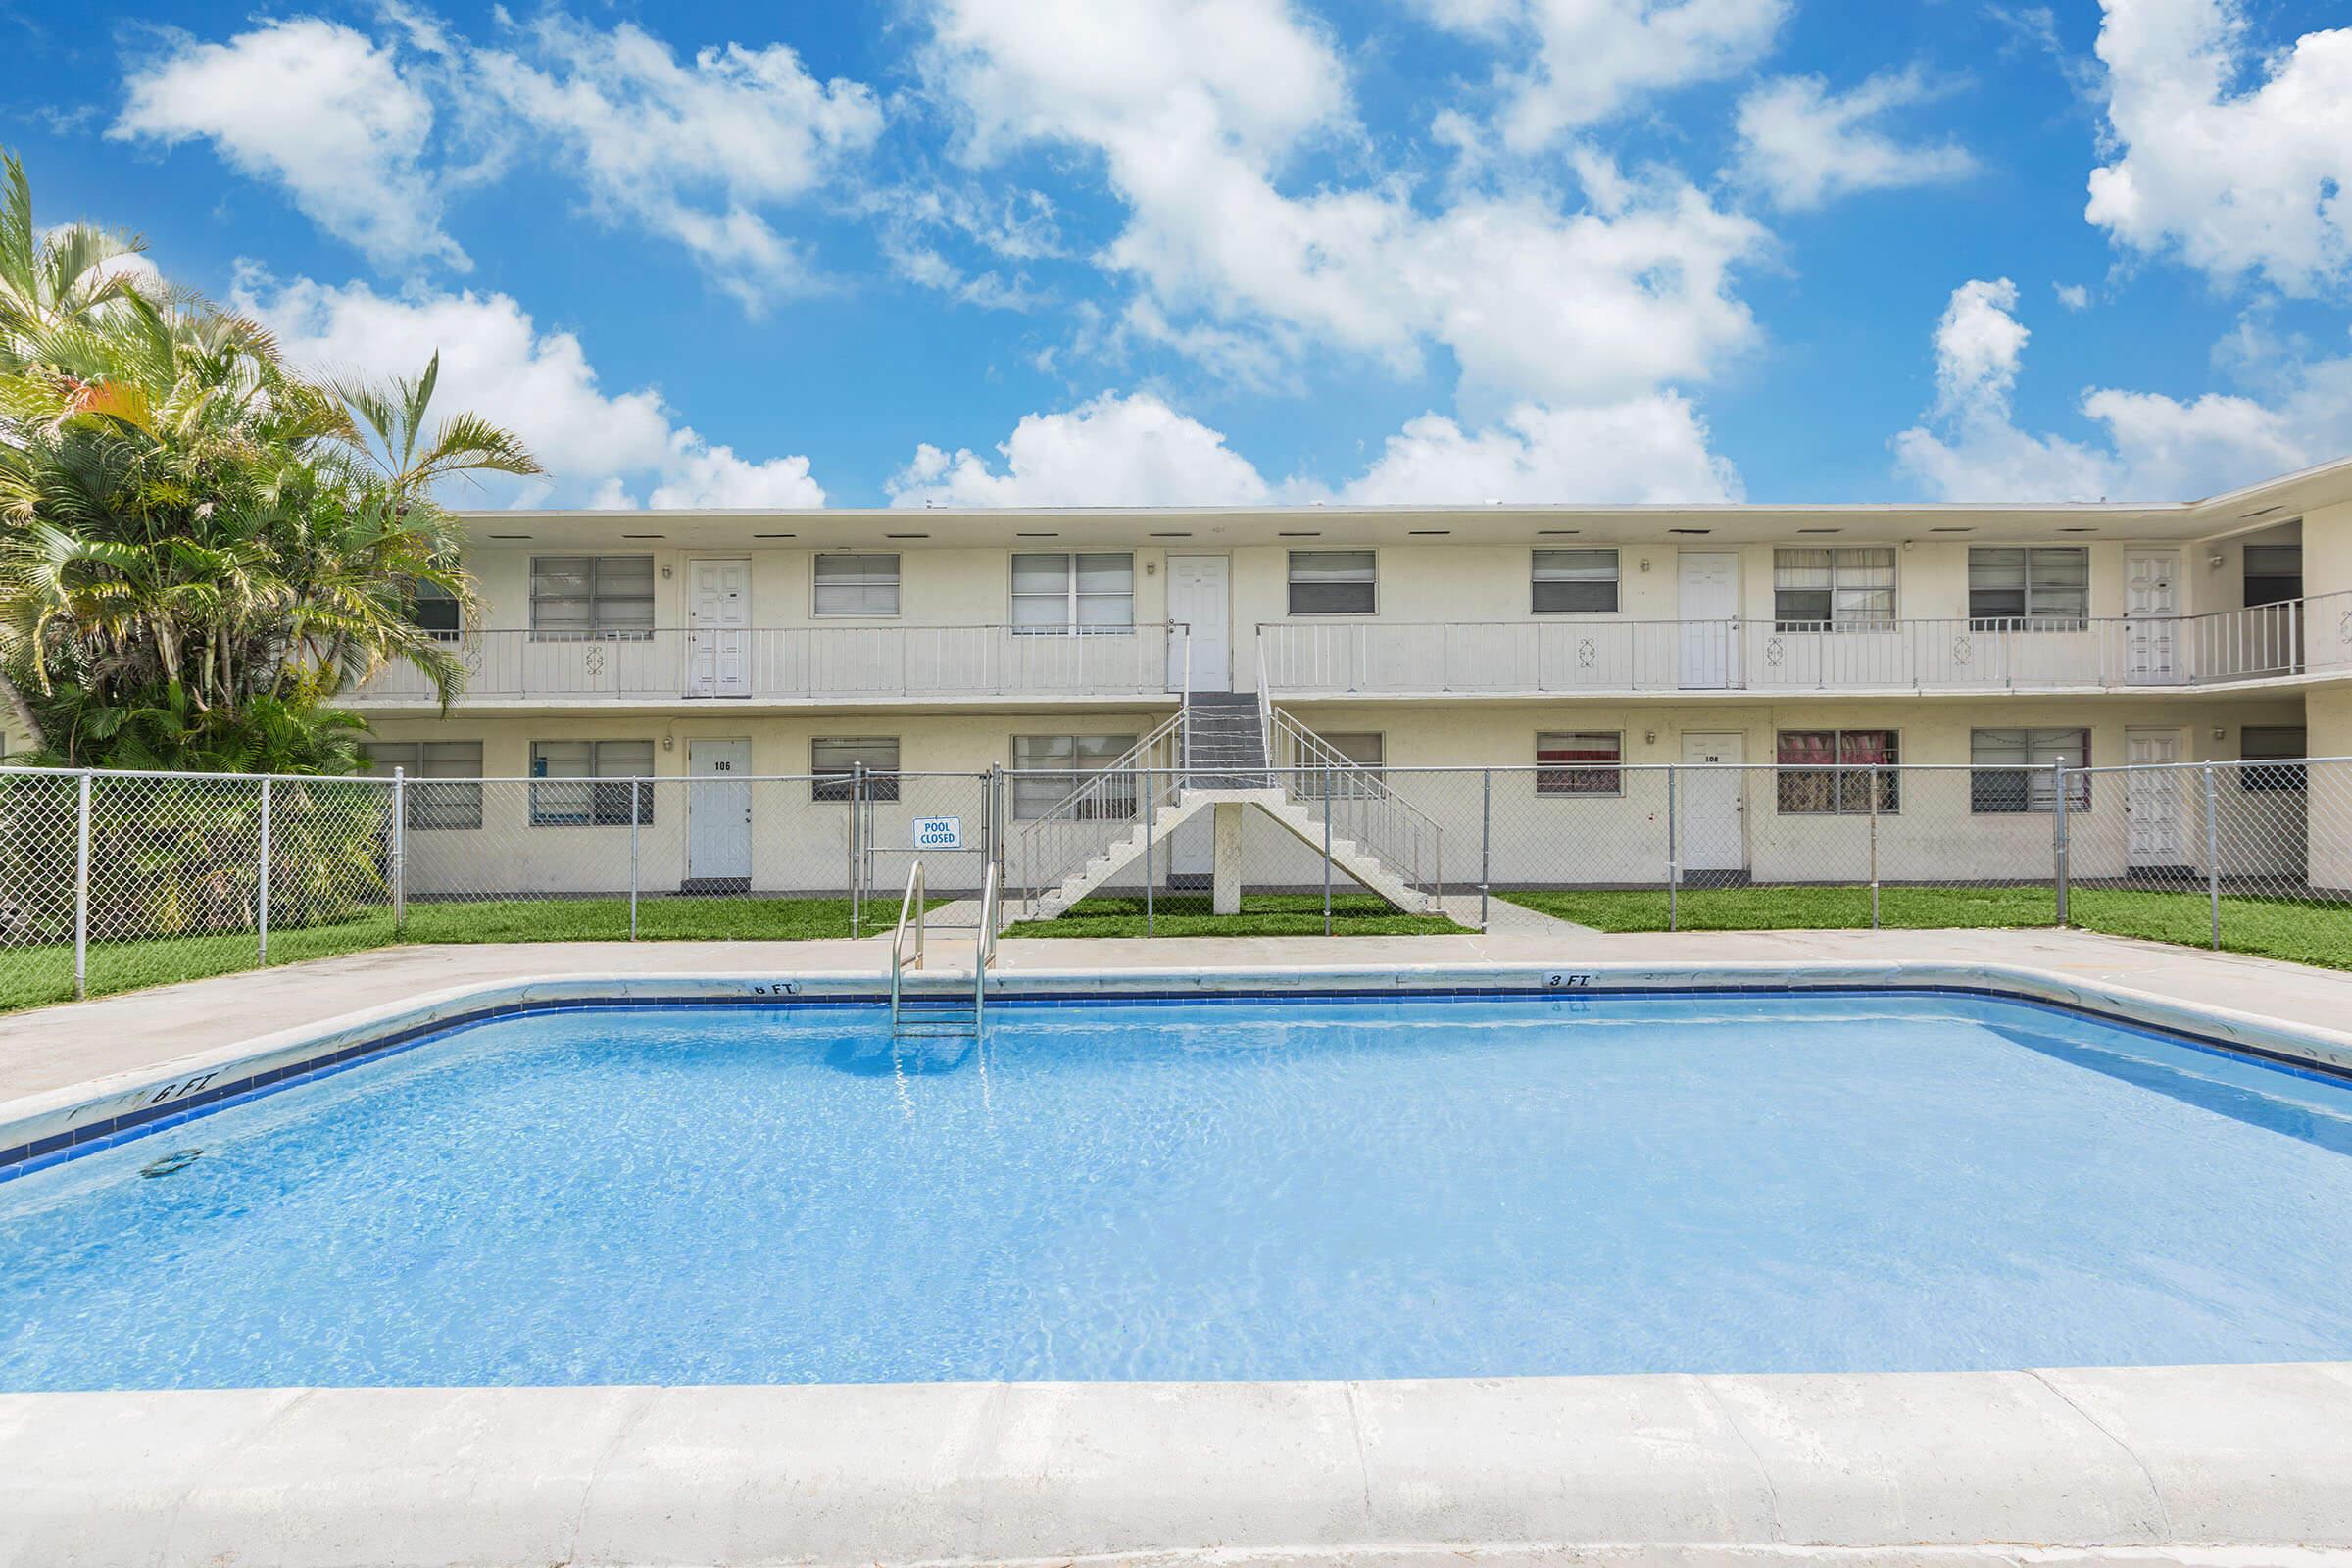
(200, 549)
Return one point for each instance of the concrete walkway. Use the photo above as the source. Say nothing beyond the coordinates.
(49, 1049)
(2221, 1467)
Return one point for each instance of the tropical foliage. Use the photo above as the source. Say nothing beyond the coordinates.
(201, 548)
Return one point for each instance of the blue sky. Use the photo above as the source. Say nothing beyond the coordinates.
(1164, 251)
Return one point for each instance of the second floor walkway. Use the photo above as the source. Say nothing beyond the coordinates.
(1606, 655)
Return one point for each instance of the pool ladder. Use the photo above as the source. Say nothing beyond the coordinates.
(952, 1012)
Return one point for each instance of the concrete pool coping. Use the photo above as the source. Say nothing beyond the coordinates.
(2204, 1465)
(2237, 1465)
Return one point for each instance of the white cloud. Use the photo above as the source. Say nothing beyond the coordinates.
(496, 360)
(1592, 60)
(691, 150)
(1804, 146)
(2154, 447)
(1135, 450)
(1131, 450)
(1587, 306)
(2073, 296)
(1978, 346)
(2238, 181)
(1647, 450)
(317, 108)
(699, 152)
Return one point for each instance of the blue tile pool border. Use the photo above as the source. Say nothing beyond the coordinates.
(192, 1103)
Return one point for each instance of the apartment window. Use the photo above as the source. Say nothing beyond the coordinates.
(1583, 763)
(2264, 744)
(597, 788)
(1820, 773)
(2274, 573)
(1060, 592)
(592, 596)
(1840, 589)
(433, 805)
(2013, 768)
(434, 609)
(857, 585)
(1333, 582)
(1049, 769)
(2045, 589)
(835, 760)
(1576, 582)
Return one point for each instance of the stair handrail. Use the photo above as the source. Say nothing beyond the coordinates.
(984, 951)
(1122, 777)
(1184, 711)
(914, 901)
(1265, 709)
(1384, 822)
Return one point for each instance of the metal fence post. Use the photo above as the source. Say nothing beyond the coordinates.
(262, 903)
(2060, 834)
(856, 809)
(2213, 856)
(1327, 852)
(81, 892)
(1674, 862)
(400, 851)
(1486, 841)
(997, 821)
(1150, 875)
(636, 816)
(1873, 846)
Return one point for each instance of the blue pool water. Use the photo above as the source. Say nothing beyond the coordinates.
(1304, 1189)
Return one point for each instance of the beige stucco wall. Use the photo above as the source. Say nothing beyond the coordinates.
(800, 843)
(797, 844)
(938, 586)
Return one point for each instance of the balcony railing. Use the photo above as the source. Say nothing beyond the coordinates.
(803, 664)
(2268, 641)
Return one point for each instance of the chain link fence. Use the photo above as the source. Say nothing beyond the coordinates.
(112, 880)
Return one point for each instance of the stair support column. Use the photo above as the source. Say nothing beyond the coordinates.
(1225, 877)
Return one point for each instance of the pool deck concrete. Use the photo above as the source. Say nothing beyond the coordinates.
(45, 1049)
(2219, 1467)
(2248, 1467)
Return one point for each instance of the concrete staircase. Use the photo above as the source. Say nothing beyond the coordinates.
(1223, 766)
(1225, 741)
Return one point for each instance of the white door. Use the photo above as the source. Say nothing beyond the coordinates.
(1710, 605)
(2151, 617)
(719, 618)
(719, 811)
(1199, 598)
(2155, 800)
(1708, 805)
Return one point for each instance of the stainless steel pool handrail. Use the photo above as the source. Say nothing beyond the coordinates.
(984, 949)
(914, 901)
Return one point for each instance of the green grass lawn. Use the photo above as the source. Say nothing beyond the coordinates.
(2270, 928)
(30, 977)
(1263, 914)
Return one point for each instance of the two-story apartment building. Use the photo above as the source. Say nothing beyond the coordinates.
(1561, 641)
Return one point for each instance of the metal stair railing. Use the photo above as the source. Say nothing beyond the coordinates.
(1361, 806)
(1105, 805)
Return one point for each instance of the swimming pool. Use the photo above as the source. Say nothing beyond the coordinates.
(1292, 1189)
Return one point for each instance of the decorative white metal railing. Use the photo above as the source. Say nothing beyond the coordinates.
(801, 664)
(1606, 655)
